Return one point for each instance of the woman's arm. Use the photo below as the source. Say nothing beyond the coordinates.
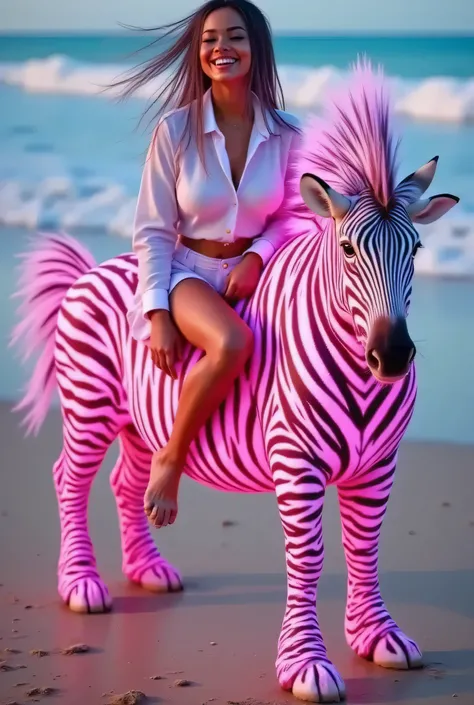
(156, 219)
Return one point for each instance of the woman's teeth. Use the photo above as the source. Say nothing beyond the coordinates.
(223, 62)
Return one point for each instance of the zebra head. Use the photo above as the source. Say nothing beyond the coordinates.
(377, 245)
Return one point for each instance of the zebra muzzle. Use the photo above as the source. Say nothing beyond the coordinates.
(390, 351)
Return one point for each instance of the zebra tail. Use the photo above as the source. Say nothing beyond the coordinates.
(51, 265)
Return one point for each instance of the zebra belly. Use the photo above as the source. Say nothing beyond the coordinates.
(228, 454)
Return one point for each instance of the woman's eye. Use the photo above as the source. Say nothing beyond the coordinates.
(231, 39)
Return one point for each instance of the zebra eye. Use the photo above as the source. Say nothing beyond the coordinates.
(348, 249)
(416, 248)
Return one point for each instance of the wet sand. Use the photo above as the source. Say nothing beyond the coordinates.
(235, 589)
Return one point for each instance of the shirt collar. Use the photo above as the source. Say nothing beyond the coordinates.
(210, 124)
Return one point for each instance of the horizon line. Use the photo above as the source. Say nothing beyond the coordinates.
(276, 32)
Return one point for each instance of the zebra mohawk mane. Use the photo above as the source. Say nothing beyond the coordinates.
(353, 147)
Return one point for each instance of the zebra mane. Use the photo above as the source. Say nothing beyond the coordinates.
(352, 146)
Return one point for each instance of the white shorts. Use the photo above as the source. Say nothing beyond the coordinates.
(186, 264)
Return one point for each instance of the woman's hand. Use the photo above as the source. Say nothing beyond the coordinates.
(166, 342)
(243, 279)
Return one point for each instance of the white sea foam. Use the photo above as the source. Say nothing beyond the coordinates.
(60, 203)
(46, 189)
(432, 99)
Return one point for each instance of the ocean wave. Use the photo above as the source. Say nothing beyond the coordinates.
(438, 99)
(98, 205)
(60, 202)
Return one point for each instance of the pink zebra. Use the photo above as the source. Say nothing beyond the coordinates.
(325, 399)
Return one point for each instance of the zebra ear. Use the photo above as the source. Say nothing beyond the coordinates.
(431, 209)
(322, 199)
(413, 186)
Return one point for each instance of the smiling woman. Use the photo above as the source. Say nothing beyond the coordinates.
(186, 42)
(213, 191)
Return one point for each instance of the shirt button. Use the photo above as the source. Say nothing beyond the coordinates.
(225, 265)
(228, 231)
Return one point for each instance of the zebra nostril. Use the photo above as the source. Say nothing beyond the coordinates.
(373, 359)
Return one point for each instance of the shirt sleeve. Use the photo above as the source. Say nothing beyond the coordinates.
(280, 226)
(156, 220)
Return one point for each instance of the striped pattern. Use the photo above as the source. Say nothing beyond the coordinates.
(383, 245)
(305, 414)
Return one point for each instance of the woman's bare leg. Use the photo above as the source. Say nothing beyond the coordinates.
(210, 324)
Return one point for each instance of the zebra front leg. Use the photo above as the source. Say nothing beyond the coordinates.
(302, 664)
(141, 560)
(79, 583)
(370, 630)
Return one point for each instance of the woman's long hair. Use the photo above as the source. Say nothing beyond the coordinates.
(188, 82)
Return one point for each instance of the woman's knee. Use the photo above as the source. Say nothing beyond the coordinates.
(208, 323)
(234, 345)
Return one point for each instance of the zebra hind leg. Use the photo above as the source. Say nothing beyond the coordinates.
(141, 561)
(79, 583)
(93, 410)
(370, 630)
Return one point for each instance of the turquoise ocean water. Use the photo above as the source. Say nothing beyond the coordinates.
(71, 159)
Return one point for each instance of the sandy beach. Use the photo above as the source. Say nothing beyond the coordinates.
(220, 633)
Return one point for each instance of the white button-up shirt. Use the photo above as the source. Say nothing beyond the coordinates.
(180, 194)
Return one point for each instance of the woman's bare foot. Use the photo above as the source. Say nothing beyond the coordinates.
(161, 496)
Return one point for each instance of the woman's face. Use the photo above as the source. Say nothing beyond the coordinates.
(225, 46)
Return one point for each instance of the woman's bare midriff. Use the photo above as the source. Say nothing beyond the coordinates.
(217, 250)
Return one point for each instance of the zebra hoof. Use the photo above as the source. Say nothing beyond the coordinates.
(88, 596)
(396, 650)
(160, 576)
(319, 683)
